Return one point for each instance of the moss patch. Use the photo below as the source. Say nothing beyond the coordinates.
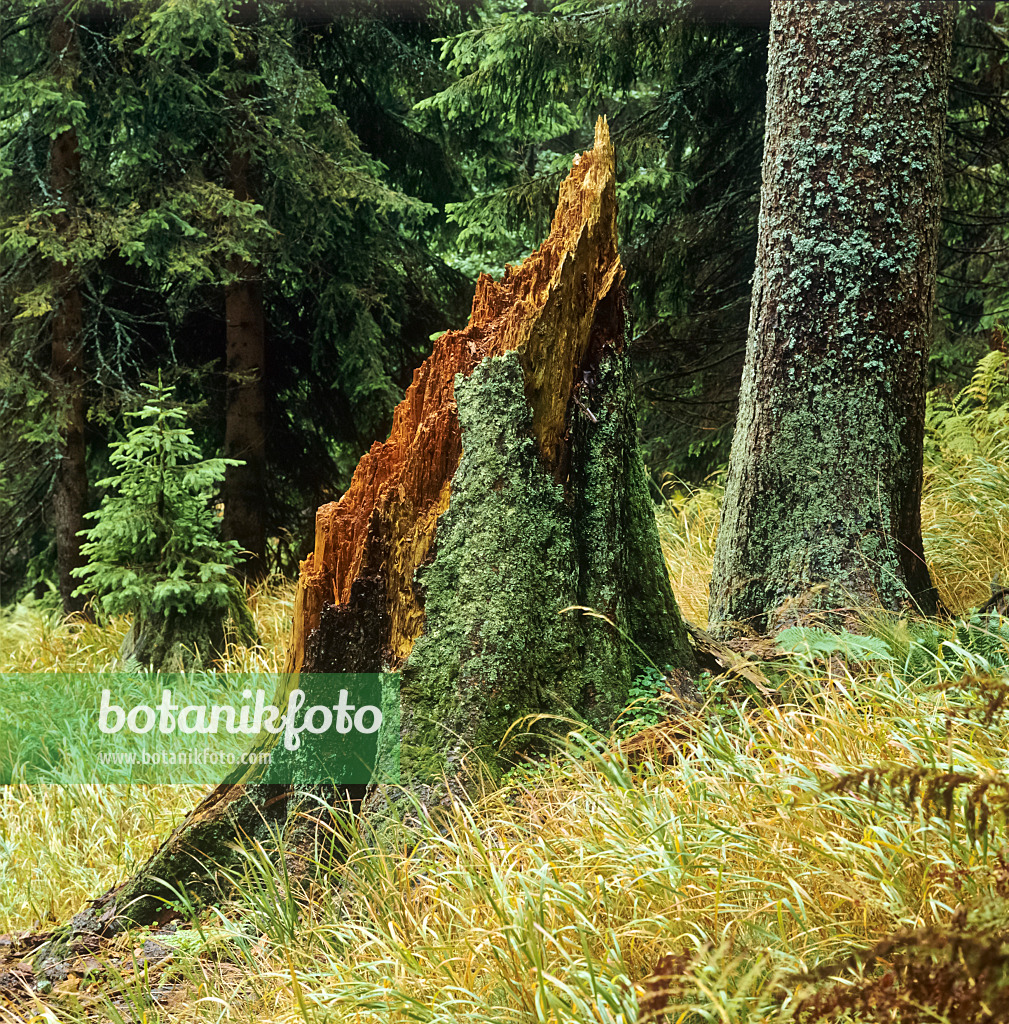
(494, 646)
(515, 549)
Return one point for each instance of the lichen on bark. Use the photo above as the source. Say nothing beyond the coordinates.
(822, 502)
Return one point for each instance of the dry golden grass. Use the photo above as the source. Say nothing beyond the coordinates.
(965, 524)
(63, 845)
(965, 506)
(550, 899)
(37, 639)
(688, 527)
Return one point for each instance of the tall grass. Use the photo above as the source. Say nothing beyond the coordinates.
(553, 898)
(965, 523)
(965, 507)
(748, 849)
(34, 637)
(63, 845)
(688, 528)
(549, 899)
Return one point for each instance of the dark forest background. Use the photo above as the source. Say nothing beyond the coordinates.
(344, 172)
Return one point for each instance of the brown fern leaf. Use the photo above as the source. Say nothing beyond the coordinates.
(933, 790)
(659, 988)
(957, 973)
(990, 695)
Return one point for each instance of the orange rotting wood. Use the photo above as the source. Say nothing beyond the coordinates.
(385, 522)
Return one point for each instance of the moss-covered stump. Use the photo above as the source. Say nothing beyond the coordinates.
(499, 550)
(517, 558)
(509, 501)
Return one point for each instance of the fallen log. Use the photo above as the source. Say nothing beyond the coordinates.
(499, 550)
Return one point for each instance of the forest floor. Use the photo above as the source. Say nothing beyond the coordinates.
(710, 863)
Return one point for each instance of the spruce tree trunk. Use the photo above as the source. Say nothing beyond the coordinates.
(822, 502)
(245, 402)
(499, 550)
(70, 487)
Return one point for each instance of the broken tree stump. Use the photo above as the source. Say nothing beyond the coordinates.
(510, 489)
(499, 550)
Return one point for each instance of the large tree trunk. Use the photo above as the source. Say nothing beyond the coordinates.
(822, 502)
(245, 402)
(509, 500)
(70, 488)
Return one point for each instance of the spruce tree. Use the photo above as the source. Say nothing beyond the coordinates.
(155, 551)
(823, 500)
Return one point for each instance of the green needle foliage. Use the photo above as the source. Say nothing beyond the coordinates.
(155, 549)
(333, 222)
(683, 87)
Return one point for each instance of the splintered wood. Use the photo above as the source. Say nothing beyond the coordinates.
(384, 525)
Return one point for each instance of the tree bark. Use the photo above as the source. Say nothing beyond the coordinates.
(822, 502)
(70, 487)
(509, 500)
(510, 490)
(245, 402)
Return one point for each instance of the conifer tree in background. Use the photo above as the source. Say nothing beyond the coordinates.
(155, 552)
(823, 498)
(70, 486)
(162, 226)
(245, 357)
(972, 295)
(320, 254)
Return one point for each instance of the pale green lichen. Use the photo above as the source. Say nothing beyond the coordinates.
(515, 551)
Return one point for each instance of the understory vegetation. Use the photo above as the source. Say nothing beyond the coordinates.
(824, 840)
(282, 214)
